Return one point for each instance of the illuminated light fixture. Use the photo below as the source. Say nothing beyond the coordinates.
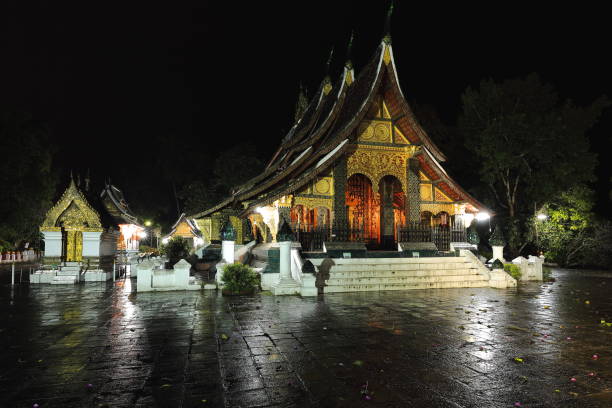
(165, 240)
(148, 223)
(482, 216)
(542, 217)
(467, 219)
(142, 234)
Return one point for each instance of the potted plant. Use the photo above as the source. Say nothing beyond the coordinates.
(175, 250)
(239, 279)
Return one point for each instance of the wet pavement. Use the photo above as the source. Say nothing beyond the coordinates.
(99, 345)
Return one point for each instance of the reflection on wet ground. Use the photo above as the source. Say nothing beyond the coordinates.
(101, 345)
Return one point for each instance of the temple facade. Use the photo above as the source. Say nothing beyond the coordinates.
(356, 166)
(185, 228)
(130, 228)
(85, 238)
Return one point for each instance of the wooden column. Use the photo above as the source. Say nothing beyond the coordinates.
(340, 223)
(413, 195)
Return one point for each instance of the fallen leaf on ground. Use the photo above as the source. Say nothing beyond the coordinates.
(518, 360)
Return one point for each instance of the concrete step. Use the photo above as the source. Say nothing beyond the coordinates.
(394, 273)
(70, 272)
(413, 286)
(412, 266)
(258, 264)
(387, 261)
(404, 280)
(64, 280)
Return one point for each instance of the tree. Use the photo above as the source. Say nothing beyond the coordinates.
(232, 168)
(571, 235)
(27, 180)
(235, 166)
(530, 146)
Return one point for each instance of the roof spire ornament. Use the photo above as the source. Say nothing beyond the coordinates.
(387, 37)
(301, 104)
(327, 86)
(349, 73)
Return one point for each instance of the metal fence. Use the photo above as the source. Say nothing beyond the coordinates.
(311, 238)
(441, 235)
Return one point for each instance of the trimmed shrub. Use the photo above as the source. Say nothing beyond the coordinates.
(239, 278)
(513, 270)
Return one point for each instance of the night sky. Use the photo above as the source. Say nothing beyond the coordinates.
(111, 77)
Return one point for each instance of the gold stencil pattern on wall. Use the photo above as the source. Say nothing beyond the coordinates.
(426, 192)
(323, 186)
(375, 131)
(438, 207)
(375, 164)
(440, 196)
(399, 136)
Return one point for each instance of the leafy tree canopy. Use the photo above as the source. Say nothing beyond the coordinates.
(571, 235)
(28, 183)
(231, 168)
(529, 144)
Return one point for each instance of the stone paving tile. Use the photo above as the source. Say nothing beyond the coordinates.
(101, 345)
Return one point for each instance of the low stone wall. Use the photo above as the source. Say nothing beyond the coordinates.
(151, 278)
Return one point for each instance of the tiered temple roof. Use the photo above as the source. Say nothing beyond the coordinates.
(327, 129)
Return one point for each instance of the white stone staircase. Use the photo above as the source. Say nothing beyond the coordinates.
(68, 274)
(374, 274)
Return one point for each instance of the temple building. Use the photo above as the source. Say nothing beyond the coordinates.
(185, 228)
(86, 236)
(356, 166)
(131, 230)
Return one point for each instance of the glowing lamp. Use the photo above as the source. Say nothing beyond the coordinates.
(482, 216)
(148, 223)
(142, 234)
(542, 217)
(165, 240)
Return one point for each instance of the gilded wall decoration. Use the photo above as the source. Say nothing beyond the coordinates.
(204, 225)
(399, 136)
(313, 202)
(74, 208)
(438, 207)
(426, 192)
(324, 186)
(377, 163)
(440, 196)
(375, 131)
(237, 224)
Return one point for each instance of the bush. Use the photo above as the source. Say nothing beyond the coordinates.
(513, 270)
(239, 278)
(176, 249)
(144, 249)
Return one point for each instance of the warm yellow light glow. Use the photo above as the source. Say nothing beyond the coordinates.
(467, 219)
(148, 223)
(483, 215)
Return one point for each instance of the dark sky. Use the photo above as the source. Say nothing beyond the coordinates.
(112, 77)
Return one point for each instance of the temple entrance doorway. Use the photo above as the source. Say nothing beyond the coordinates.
(392, 211)
(363, 207)
(73, 245)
